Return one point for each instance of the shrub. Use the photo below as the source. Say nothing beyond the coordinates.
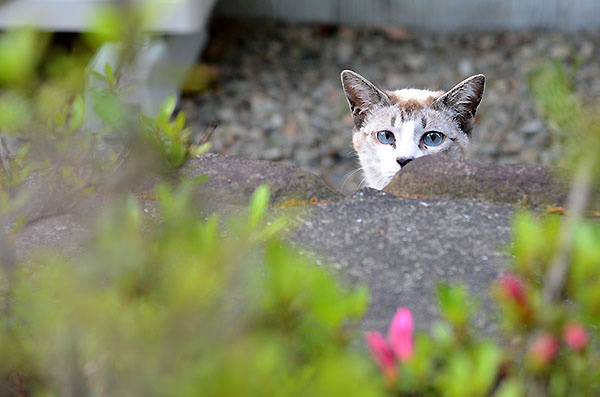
(180, 307)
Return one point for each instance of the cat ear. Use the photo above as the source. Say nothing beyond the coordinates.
(362, 96)
(463, 101)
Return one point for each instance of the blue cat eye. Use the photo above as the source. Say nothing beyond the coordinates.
(386, 137)
(433, 138)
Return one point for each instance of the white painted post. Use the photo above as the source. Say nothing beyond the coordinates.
(160, 66)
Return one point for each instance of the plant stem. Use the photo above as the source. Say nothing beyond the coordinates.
(577, 202)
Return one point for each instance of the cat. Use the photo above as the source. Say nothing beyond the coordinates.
(391, 128)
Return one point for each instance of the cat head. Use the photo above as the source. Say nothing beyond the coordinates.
(391, 128)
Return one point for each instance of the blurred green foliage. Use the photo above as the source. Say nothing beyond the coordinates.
(577, 124)
(569, 371)
(453, 360)
(176, 306)
(170, 138)
(42, 108)
(180, 307)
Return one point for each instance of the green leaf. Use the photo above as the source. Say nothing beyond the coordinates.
(180, 122)
(510, 388)
(20, 52)
(15, 111)
(198, 180)
(455, 304)
(60, 117)
(167, 108)
(112, 111)
(442, 334)
(108, 24)
(77, 114)
(209, 233)
(201, 149)
(258, 206)
(99, 76)
(132, 212)
(420, 368)
(455, 377)
(22, 153)
(177, 155)
(147, 123)
(487, 363)
(110, 74)
(358, 302)
(273, 229)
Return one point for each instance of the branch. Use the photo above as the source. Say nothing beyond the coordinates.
(58, 205)
(207, 134)
(577, 202)
(5, 163)
(8, 262)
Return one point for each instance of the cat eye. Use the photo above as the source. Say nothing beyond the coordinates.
(386, 137)
(433, 138)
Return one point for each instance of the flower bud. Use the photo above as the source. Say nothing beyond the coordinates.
(401, 334)
(513, 288)
(575, 336)
(382, 353)
(543, 349)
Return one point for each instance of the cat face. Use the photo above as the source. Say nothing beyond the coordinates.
(392, 128)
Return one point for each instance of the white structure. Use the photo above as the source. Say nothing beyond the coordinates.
(177, 16)
(427, 15)
(160, 66)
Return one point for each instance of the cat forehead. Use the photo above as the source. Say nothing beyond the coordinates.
(411, 101)
(392, 117)
(397, 114)
(404, 105)
(412, 94)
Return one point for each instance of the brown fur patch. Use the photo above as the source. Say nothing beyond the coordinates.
(358, 140)
(411, 106)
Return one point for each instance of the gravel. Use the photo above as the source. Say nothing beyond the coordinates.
(278, 94)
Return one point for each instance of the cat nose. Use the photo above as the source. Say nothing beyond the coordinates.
(403, 160)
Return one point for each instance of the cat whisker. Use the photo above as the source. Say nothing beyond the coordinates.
(348, 177)
(385, 178)
(381, 179)
(362, 183)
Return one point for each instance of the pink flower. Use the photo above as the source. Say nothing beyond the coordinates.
(399, 344)
(575, 336)
(382, 353)
(401, 334)
(512, 288)
(544, 348)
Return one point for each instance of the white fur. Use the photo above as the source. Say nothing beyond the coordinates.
(378, 160)
(413, 93)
